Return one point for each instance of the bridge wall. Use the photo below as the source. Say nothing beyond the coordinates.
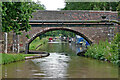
(74, 15)
(94, 34)
(1, 42)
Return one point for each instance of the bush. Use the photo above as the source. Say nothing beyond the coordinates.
(105, 50)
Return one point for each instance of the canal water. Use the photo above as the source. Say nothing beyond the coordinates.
(62, 63)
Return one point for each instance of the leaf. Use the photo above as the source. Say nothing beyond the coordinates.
(28, 36)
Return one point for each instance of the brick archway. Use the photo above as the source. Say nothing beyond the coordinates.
(52, 29)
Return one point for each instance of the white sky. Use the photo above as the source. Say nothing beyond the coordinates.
(52, 4)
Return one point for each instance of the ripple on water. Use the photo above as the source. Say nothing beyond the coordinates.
(39, 74)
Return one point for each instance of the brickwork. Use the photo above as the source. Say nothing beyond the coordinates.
(93, 34)
(73, 15)
(1, 42)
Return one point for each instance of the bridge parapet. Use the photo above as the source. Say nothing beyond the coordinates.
(73, 15)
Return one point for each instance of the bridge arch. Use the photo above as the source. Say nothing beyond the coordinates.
(53, 29)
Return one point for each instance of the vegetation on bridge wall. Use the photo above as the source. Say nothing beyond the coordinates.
(105, 51)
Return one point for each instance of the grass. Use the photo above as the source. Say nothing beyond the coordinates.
(9, 58)
(38, 42)
(105, 51)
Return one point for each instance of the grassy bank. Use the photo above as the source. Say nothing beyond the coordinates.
(9, 58)
(37, 43)
(105, 51)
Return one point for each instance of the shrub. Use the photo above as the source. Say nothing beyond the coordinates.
(105, 50)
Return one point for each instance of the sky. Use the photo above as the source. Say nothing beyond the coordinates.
(52, 4)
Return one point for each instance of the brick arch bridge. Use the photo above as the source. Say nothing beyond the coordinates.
(91, 34)
(59, 28)
(88, 24)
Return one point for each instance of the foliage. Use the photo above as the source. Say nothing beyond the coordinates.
(117, 38)
(9, 58)
(15, 15)
(118, 9)
(35, 43)
(105, 50)
(38, 6)
(28, 36)
(0, 58)
(91, 6)
(59, 33)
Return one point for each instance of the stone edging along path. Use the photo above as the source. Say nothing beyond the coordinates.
(38, 56)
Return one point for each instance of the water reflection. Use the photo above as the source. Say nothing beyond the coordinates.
(62, 63)
(63, 47)
(77, 48)
(54, 66)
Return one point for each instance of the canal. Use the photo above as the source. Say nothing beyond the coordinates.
(63, 62)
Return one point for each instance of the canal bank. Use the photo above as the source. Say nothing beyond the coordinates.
(10, 58)
(106, 51)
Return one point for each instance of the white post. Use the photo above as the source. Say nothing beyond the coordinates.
(5, 42)
(13, 47)
(15, 43)
(18, 47)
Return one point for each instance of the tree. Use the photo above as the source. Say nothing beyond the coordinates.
(91, 6)
(15, 17)
(38, 6)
